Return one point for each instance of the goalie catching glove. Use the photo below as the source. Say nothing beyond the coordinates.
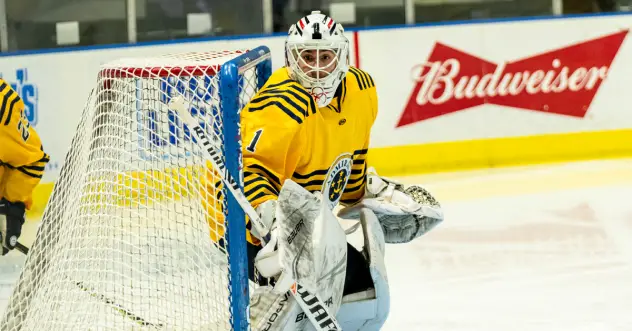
(11, 221)
(403, 213)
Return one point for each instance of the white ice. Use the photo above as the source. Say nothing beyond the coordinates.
(544, 248)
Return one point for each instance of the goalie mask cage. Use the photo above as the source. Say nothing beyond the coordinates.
(138, 233)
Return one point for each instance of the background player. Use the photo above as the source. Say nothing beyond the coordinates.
(299, 127)
(22, 162)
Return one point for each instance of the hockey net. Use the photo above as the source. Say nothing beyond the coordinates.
(133, 236)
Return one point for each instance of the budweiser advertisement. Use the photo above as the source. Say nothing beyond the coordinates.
(562, 81)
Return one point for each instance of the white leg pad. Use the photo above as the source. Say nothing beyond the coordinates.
(368, 310)
(368, 313)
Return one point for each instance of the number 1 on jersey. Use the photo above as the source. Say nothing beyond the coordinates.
(255, 140)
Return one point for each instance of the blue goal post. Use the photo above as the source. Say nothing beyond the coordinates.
(231, 85)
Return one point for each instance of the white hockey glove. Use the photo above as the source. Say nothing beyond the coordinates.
(404, 213)
(268, 261)
(11, 221)
(267, 213)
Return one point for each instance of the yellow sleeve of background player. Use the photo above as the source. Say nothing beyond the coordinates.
(22, 159)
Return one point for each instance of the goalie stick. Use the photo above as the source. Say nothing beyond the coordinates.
(312, 305)
(23, 249)
(117, 307)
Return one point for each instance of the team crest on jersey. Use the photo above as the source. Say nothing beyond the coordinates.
(336, 179)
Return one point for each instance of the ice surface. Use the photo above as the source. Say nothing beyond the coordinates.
(538, 249)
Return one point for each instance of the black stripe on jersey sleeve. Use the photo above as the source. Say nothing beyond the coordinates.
(353, 195)
(360, 152)
(344, 91)
(257, 197)
(356, 188)
(5, 101)
(312, 181)
(28, 173)
(255, 181)
(357, 76)
(36, 168)
(263, 98)
(295, 90)
(261, 187)
(44, 159)
(367, 78)
(352, 182)
(11, 107)
(320, 172)
(362, 77)
(258, 169)
(251, 177)
(355, 184)
(358, 161)
(6, 165)
(359, 157)
(357, 178)
(312, 104)
(267, 93)
(371, 82)
(286, 110)
(42, 162)
(358, 173)
(3, 87)
(288, 85)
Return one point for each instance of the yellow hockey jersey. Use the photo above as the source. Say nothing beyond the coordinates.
(286, 136)
(22, 157)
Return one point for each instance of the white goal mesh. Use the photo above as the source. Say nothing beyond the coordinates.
(133, 236)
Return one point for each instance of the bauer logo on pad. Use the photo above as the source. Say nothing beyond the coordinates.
(336, 179)
(562, 81)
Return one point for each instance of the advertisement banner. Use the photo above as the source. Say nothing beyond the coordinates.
(497, 80)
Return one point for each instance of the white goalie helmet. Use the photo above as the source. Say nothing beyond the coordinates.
(317, 55)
